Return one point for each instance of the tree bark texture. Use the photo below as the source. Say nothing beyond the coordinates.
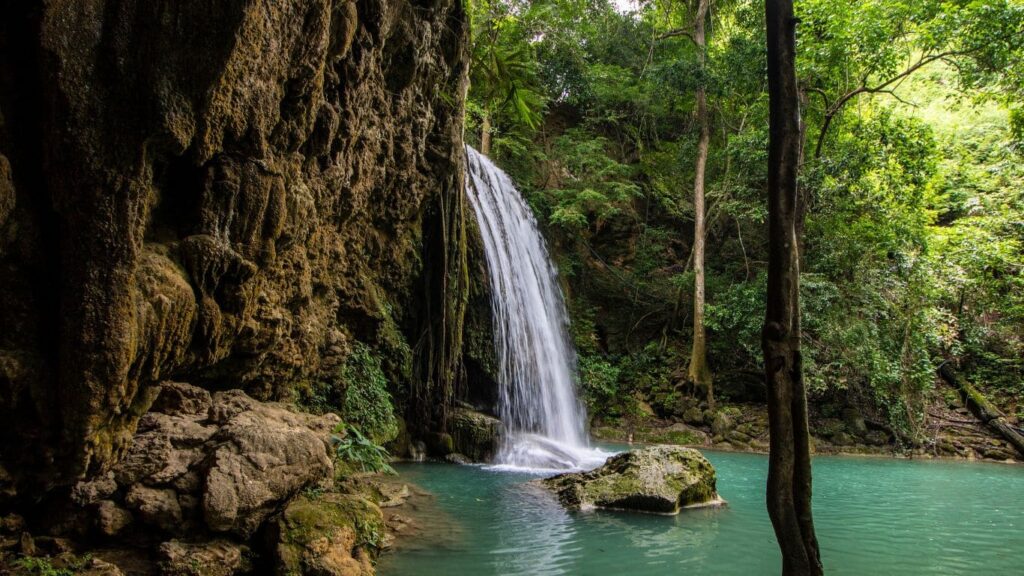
(699, 372)
(788, 493)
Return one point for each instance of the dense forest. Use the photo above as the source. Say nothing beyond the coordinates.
(642, 148)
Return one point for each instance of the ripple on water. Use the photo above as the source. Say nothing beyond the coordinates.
(874, 516)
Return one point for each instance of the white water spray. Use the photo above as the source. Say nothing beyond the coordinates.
(544, 419)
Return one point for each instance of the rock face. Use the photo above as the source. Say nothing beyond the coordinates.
(658, 479)
(231, 191)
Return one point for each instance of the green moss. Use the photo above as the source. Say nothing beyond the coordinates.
(682, 437)
(306, 519)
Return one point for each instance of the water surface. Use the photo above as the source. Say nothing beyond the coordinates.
(873, 516)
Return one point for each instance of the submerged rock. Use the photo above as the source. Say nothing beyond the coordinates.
(658, 479)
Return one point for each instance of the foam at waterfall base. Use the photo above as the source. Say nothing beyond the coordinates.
(536, 454)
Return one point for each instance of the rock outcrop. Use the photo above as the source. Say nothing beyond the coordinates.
(658, 479)
(231, 192)
(333, 535)
(218, 463)
(474, 435)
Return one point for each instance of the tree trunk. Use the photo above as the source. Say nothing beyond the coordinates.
(983, 409)
(699, 372)
(789, 464)
(485, 135)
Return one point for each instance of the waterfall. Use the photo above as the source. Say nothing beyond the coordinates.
(544, 419)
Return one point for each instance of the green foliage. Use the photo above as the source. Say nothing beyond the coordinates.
(43, 566)
(358, 391)
(912, 250)
(600, 382)
(352, 447)
(367, 402)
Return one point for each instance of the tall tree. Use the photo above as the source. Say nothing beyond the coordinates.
(789, 464)
(700, 374)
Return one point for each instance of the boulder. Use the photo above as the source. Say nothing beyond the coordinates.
(694, 416)
(721, 424)
(178, 399)
(475, 435)
(227, 461)
(111, 519)
(156, 506)
(657, 479)
(265, 454)
(334, 535)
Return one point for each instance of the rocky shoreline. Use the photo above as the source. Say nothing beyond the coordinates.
(214, 485)
(744, 428)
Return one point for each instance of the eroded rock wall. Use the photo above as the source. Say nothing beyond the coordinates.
(226, 191)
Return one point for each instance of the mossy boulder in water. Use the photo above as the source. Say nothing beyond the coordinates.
(658, 479)
(475, 435)
(332, 535)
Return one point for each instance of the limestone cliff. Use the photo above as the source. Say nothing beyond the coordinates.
(228, 192)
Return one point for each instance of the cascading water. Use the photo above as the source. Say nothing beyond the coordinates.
(545, 421)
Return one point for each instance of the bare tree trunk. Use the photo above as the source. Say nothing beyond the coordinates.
(789, 465)
(699, 372)
(485, 135)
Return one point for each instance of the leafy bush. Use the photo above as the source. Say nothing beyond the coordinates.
(599, 380)
(354, 448)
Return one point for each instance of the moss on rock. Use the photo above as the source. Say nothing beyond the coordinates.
(474, 435)
(658, 479)
(334, 534)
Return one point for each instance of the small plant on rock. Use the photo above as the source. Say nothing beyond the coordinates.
(359, 450)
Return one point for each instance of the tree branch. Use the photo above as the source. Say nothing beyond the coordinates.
(882, 88)
(676, 33)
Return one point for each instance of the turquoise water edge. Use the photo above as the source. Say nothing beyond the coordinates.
(873, 516)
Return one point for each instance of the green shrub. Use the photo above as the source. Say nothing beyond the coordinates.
(356, 449)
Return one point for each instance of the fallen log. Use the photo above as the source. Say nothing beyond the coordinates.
(983, 409)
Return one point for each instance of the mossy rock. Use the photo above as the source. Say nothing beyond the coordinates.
(334, 535)
(657, 479)
(474, 435)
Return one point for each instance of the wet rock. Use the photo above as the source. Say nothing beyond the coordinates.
(336, 535)
(440, 444)
(737, 438)
(456, 458)
(658, 479)
(214, 558)
(474, 434)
